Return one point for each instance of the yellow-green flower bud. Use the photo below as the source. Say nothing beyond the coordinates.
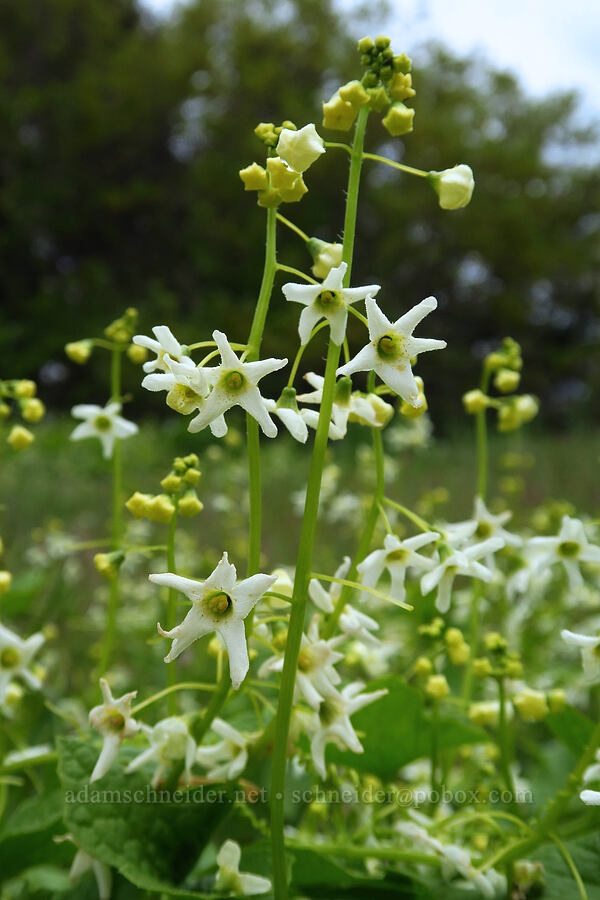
(353, 92)
(378, 99)
(192, 476)
(400, 87)
(4, 410)
(160, 509)
(5, 581)
(281, 176)
(399, 120)
(338, 114)
(402, 63)
(19, 438)
(108, 564)
(136, 354)
(557, 700)
(532, 705)
(382, 41)
(517, 411)
(494, 642)
(528, 875)
(265, 131)
(326, 256)
(25, 388)
(432, 629)
(423, 667)
(383, 411)
(171, 483)
(459, 653)
(139, 504)
(122, 329)
(437, 687)
(506, 380)
(254, 177)
(513, 668)
(295, 193)
(475, 401)
(454, 187)
(79, 351)
(484, 713)
(269, 198)
(365, 45)
(414, 412)
(1, 546)
(482, 667)
(33, 409)
(453, 637)
(190, 505)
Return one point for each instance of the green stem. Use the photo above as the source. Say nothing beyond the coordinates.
(503, 742)
(482, 442)
(293, 227)
(435, 786)
(172, 610)
(474, 626)
(396, 165)
(417, 520)
(571, 865)
(307, 539)
(182, 686)
(347, 852)
(357, 586)
(200, 724)
(292, 271)
(301, 350)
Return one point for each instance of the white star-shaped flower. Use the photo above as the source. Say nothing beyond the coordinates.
(397, 556)
(487, 525)
(170, 741)
(569, 547)
(226, 759)
(235, 384)
(329, 300)
(187, 386)
(352, 622)
(229, 878)
(15, 658)
(165, 343)
(345, 405)
(589, 645)
(459, 562)
(218, 604)
(104, 423)
(392, 347)
(300, 149)
(332, 723)
(112, 719)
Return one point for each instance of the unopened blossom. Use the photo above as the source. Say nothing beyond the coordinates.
(346, 405)
(83, 863)
(235, 384)
(286, 409)
(220, 604)
(164, 343)
(457, 861)
(301, 148)
(328, 300)
(351, 622)
(16, 656)
(113, 720)
(459, 562)
(454, 186)
(570, 547)
(332, 723)
(316, 678)
(187, 386)
(229, 878)
(397, 557)
(392, 347)
(226, 759)
(170, 742)
(326, 256)
(589, 646)
(104, 423)
(590, 798)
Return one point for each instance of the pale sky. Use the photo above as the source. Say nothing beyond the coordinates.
(549, 44)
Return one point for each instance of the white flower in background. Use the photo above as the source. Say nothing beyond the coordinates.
(165, 343)
(226, 759)
(218, 604)
(590, 798)
(187, 386)
(15, 658)
(459, 562)
(374, 659)
(352, 622)
(332, 723)
(311, 419)
(457, 861)
(300, 149)
(170, 741)
(229, 878)
(589, 646)
(592, 773)
(286, 408)
(570, 547)
(316, 678)
(392, 348)
(102, 422)
(83, 863)
(235, 384)
(397, 557)
(345, 405)
(329, 300)
(487, 525)
(454, 187)
(114, 722)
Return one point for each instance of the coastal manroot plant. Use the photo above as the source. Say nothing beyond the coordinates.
(363, 732)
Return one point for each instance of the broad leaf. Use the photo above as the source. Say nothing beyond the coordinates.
(26, 839)
(571, 727)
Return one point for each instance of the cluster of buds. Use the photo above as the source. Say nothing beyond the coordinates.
(291, 152)
(20, 394)
(503, 368)
(384, 87)
(108, 564)
(499, 662)
(119, 332)
(456, 647)
(178, 494)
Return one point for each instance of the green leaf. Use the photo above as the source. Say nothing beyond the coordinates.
(153, 838)
(396, 730)
(314, 875)
(585, 852)
(26, 839)
(571, 727)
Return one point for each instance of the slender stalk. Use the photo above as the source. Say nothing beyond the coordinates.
(571, 865)
(396, 165)
(417, 520)
(293, 227)
(482, 442)
(435, 785)
(307, 539)
(474, 625)
(292, 271)
(172, 610)
(182, 686)
(347, 852)
(503, 742)
(301, 349)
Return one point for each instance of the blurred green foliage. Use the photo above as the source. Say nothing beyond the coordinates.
(122, 142)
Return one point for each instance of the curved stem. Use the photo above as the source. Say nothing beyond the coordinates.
(301, 350)
(482, 443)
(357, 586)
(503, 743)
(417, 520)
(396, 165)
(571, 864)
(182, 686)
(293, 227)
(298, 272)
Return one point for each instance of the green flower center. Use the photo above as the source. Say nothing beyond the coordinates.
(329, 299)
(234, 381)
(183, 399)
(9, 658)
(102, 423)
(305, 661)
(484, 530)
(569, 549)
(114, 720)
(390, 346)
(329, 711)
(397, 555)
(218, 603)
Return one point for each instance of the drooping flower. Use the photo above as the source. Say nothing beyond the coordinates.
(570, 547)
(346, 405)
(352, 622)
(286, 409)
(328, 300)
(397, 557)
(83, 863)
(458, 562)
(392, 347)
(487, 525)
(218, 604)
(456, 860)
(589, 645)
(165, 343)
(229, 878)
(454, 186)
(187, 386)
(112, 719)
(170, 741)
(235, 384)
(15, 658)
(300, 149)
(226, 759)
(104, 423)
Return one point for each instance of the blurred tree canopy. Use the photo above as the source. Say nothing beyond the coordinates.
(122, 141)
